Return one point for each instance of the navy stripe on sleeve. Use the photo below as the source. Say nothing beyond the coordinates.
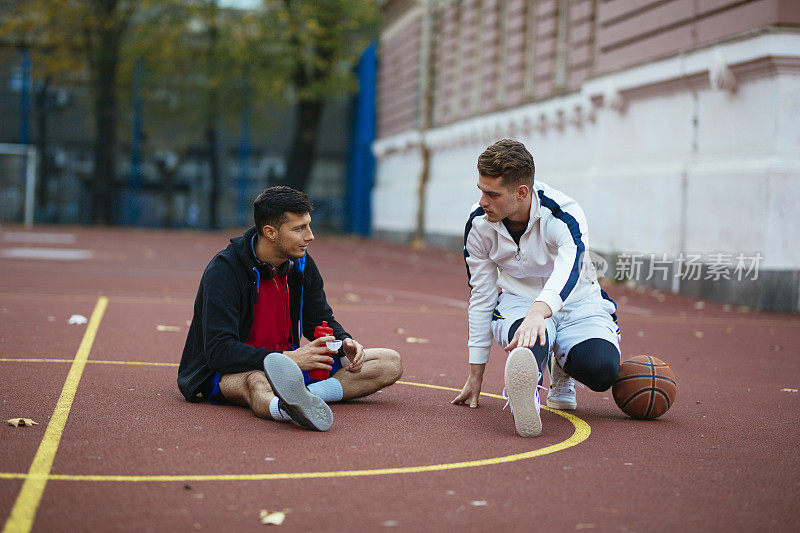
(478, 212)
(575, 231)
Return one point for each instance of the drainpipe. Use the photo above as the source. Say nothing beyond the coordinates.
(426, 62)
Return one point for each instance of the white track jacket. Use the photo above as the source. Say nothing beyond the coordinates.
(547, 266)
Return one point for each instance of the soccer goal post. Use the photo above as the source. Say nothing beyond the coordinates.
(18, 163)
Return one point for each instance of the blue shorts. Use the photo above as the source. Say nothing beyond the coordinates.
(216, 397)
(337, 365)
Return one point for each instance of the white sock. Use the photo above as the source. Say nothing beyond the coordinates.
(276, 413)
(330, 390)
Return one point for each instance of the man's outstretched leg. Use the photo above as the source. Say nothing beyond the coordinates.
(286, 380)
(278, 393)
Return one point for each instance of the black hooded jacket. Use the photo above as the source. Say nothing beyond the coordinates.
(223, 315)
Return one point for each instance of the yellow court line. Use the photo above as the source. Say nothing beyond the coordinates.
(24, 510)
(580, 434)
(44, 360)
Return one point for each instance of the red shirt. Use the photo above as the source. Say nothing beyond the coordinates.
(271, 321)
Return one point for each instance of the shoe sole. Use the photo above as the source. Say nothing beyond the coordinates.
(522, 378)
(287, 384)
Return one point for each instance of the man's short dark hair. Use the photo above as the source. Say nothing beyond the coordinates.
(509, 160)
(271, 206)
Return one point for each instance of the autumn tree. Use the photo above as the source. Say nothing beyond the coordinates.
(318, 45)
(201, 60)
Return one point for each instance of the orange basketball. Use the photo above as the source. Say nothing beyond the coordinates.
(645, 387)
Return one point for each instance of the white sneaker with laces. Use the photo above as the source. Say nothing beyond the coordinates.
(522, 391)
(562, 388)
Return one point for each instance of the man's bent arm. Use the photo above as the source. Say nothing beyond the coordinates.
(569, 234)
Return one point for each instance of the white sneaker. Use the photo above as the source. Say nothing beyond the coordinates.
(522, 388)
(562, 388)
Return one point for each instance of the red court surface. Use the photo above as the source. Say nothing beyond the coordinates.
(128, 453)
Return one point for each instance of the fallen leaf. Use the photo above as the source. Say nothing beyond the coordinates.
(479, 503)
(416, 340)
(77, 319)
(698, 334)
(400, 331)
(17, 422)
(161, 327)
(273, 518)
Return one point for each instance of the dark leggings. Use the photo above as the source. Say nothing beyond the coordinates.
(593, 362)
(539, 352)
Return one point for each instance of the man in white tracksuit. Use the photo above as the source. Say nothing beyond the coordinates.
(532, 290)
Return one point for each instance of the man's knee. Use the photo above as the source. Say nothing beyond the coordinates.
(595, 363)
(605, 375)
(391, 366)
(256, 381)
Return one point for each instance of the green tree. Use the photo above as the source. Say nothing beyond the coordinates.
(317, 45)
(200, 61)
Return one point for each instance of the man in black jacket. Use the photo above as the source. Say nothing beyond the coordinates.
(243, 346)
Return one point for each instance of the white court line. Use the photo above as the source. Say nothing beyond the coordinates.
(39, 238)
(56, 254)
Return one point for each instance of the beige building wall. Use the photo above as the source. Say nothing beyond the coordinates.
(672, 122)
(490, 55)
(631, 32)
(398, 76)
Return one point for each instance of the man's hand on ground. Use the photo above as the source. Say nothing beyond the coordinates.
(355, 353)
(472, 388)
(314, 355)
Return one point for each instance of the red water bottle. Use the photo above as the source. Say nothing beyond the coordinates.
(321, 331)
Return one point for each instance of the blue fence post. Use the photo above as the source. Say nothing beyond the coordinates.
(362, 164)
(244, 150)
(25, 99)
(136, 145)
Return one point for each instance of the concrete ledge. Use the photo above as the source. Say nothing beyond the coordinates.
(769, 290)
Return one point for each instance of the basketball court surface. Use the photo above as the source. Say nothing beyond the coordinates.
(117, 448)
